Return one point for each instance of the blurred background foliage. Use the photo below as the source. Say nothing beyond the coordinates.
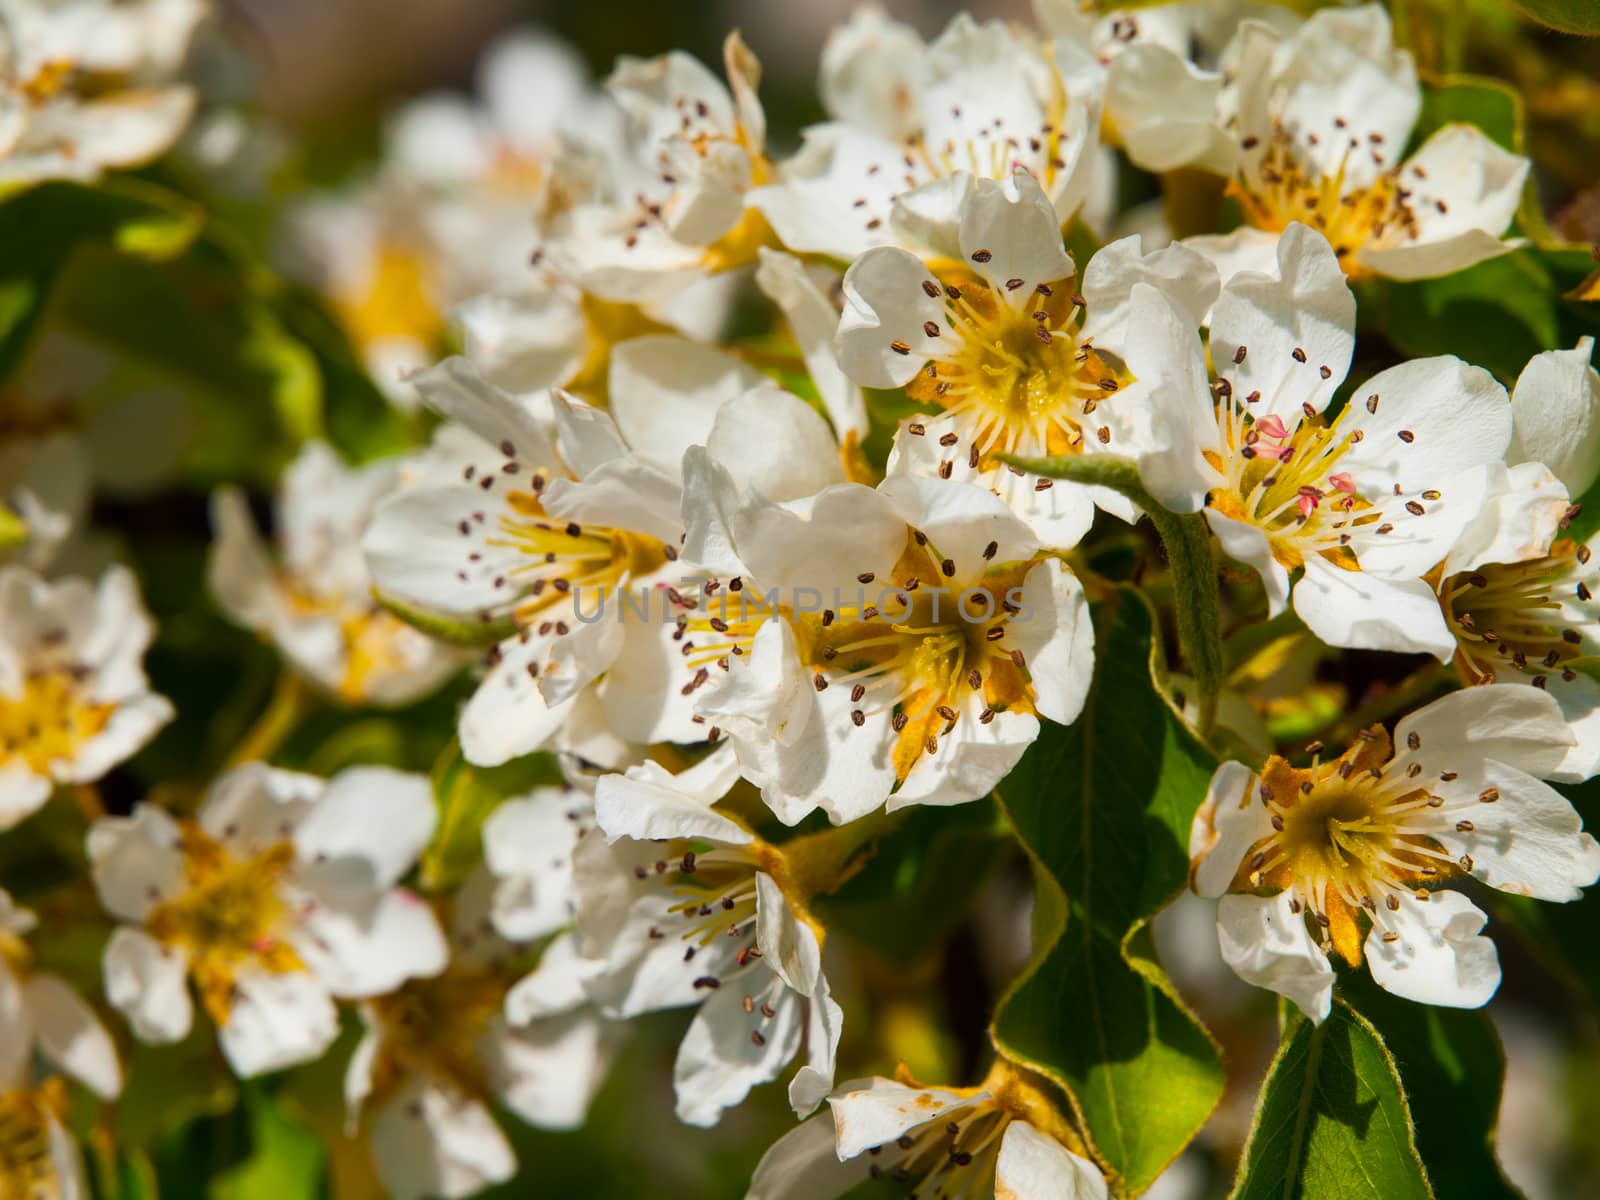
(147, 312)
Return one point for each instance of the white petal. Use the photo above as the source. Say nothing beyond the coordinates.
(885, 307)
(772, 440)
(555, 986)
(719, 1062)
(646, 804)
(1164, 109)
(368, 946)
(1227, 827)
(666, 390)
(1175, 423)
(432, 1142)
(456, 389)
(623, 494)
(971, 759)
(1580, 706)
(1440, 957)
(803, 1165)
(1464, 190)
(135, 861)
(1010, 231)
(1297, 327)
(1245, 249)
(239, 569)
(813, 322)
(1519, 726)
(1246, 543)
(1520, 517)
(1529, 842)
(1187, 279)
(868, 74)
(1269, 946)
(71, 1036)
(1456, 414)
(1034, 1166)
(148, 983)
(431, 546)
(816, 559)
(277, 1021)
(377, 814)
(1056, 635)
(963, 522)
(1359, 611)
(1555, 409)
(830, 199)
(254, 807)
(508, 716)
(548, 1072)
(524, 341)
(879, 1113)
(527, 845)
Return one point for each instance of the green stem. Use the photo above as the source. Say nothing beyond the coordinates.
(1187, 540)
(290, 699)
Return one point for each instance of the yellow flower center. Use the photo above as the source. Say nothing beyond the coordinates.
(919, 648)
(50, 81)
(1348, 835)
(397, 302)
(27, 1167)
(49, 721)
(1287, 483)
(231, 916)
(561, 557)
(1514, 617)
(1021, 379)
(432, 1026)
(1283, 188)
(371, 636)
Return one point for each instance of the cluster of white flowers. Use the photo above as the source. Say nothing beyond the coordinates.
(722, 612)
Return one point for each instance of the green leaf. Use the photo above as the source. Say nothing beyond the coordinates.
(1492, 106)
(1331, 1122)
(41, 229)
(285, 1162)
(919, 881)
(1569, 16)
(1497, 314)
(1452, 1069)
(1104, 807)
(466, 795)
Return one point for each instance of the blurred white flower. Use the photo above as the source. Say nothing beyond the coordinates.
(88, 85)
(74, 700)
(439, 1051)
(277, 897)
(1344, 856)
(42, 1019)
(315, 602)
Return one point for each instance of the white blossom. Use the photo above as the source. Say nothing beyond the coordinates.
(1345, 857)
(74, 700)
(278, 896)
